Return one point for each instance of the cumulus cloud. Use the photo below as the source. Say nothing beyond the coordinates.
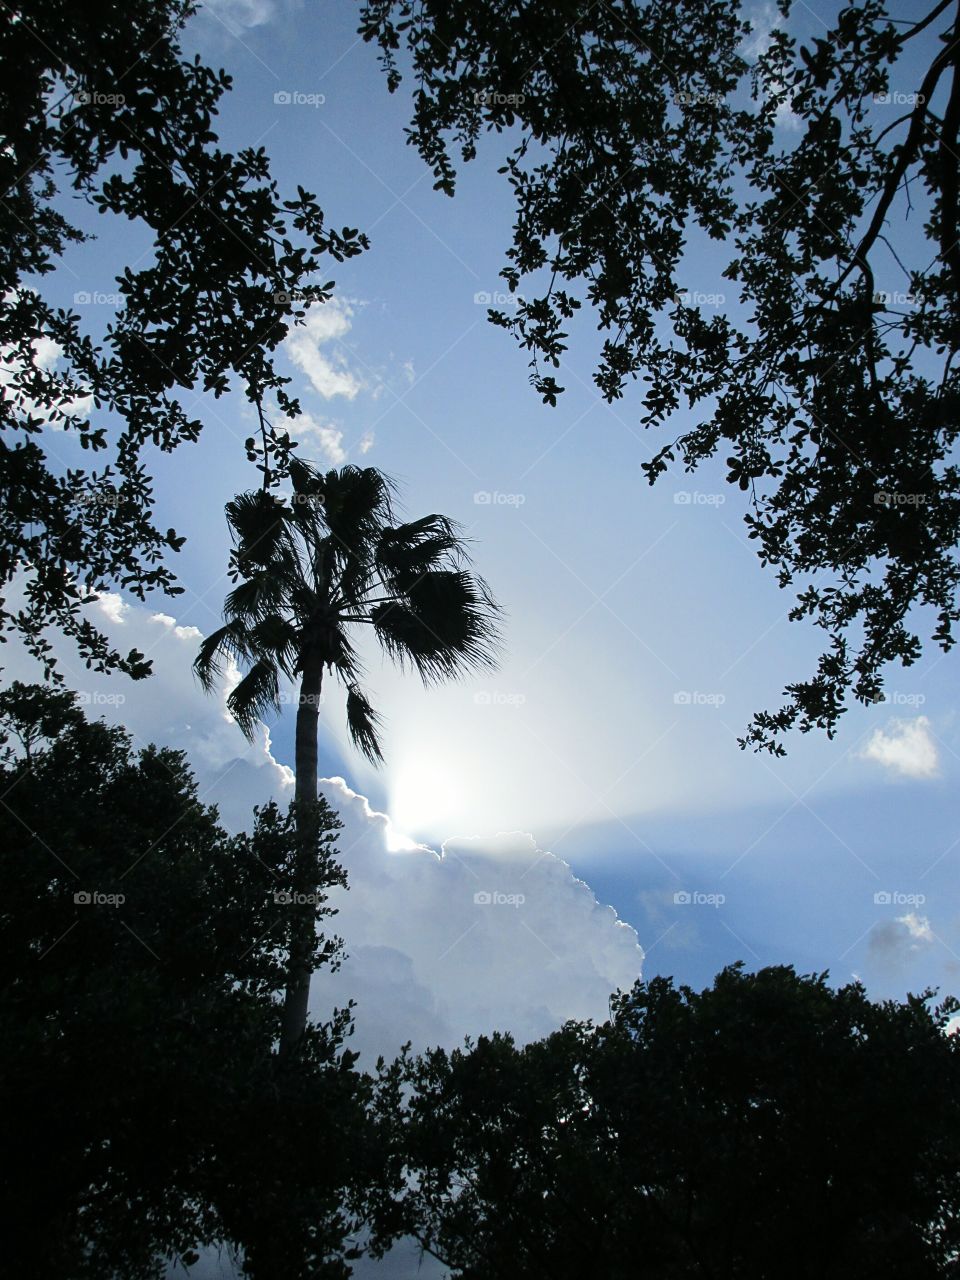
(323, 436)
(169, 708)
(329, 374)
(906, 747)
(483, 934)
(895, 942)
(45, 355)
(112, 607)
(441, 943)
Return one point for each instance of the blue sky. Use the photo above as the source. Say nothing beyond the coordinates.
(641, 631)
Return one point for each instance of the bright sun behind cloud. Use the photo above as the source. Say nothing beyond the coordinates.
(427, 792)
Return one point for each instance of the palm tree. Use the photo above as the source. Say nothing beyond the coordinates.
(307, 571)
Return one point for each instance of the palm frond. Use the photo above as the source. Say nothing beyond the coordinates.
(275, 638)
(257, 693)
(408, 551)
(258, 596)
(259, 525)
(357, 509)
(229, 641)
(358, 502)
(447, 625)
(364, 724)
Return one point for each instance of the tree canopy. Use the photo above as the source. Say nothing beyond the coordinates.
(767, 1126)
(144, 1112)
(98, 103)
(825, 174)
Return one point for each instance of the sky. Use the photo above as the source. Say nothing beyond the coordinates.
(584, 815)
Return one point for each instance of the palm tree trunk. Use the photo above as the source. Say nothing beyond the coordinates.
(303, 931)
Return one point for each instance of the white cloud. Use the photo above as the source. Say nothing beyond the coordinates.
(763, 22)
(330, 375)
(895, 942)
(906, 746)
(45, 353)
(485, 934)
(322, 435)
(240, 15)
(112, 607)
(183, 633)
(426, 960)
(367, 441)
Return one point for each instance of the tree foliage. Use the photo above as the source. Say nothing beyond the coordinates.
(99, 104)
(767, 1126)
(826, 175)
(309, 569)
(144, 1110)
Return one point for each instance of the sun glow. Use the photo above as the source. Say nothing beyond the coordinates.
(427, 795)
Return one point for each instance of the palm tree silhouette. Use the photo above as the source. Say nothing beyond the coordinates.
(307, 571)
